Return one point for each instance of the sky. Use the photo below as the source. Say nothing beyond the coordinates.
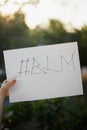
(71, 12)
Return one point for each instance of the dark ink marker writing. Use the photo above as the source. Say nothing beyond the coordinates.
(32, 66)
(21, 65)
(36, 65)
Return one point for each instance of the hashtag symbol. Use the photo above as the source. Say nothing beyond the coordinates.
(26, 71)
(21, 66)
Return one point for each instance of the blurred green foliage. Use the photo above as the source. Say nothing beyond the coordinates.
(63, 113)
(51, 114)
(14, 33)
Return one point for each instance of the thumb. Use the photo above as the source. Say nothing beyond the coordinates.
(10, 83)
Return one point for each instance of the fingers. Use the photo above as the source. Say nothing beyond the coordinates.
(9, 84)
(5, 87)
(5, 81)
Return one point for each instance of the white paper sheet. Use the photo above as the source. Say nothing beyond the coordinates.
(44, 72)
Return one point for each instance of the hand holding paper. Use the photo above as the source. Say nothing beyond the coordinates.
(7, 84)
(44, 72)
(4, 93)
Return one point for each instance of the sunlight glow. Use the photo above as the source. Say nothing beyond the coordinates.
(70, 12)
(9, 8)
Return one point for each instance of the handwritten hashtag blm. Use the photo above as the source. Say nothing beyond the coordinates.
(34, 67)
(22, 62)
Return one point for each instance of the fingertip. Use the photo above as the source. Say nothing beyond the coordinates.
(13, 81)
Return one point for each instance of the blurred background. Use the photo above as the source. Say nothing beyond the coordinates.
(28, 23)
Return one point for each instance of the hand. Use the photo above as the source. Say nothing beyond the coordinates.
(5, 87)
(4, 93)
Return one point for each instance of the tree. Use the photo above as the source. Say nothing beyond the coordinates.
(55, 32)
(81, 36)
(14, 33)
